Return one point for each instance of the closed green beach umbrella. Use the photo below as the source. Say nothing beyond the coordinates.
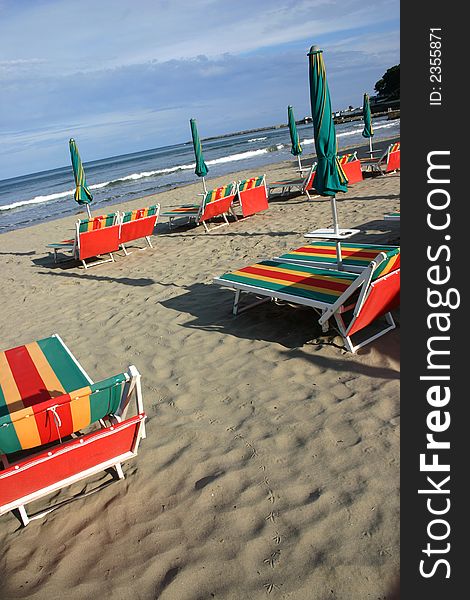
(368, 130)
(296, 149)
(82, 194)
(329, 177)
(201, 167)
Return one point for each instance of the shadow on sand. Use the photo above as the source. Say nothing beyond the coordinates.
(291, 326)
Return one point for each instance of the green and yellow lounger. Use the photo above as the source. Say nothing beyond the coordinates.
(46, 401)
(354, 257)
(362, 298)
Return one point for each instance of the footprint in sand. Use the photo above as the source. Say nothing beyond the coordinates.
(342, 433)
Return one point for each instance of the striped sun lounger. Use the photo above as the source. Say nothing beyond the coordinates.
(362, 298)
(354, 257)
(252, 195)
(45, 398)
(387, 163)
(394, 216)
(216, 203)
(136, 224)
(300, 184)
(351, 167)
(93, 238)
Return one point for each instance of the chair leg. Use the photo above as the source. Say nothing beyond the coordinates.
(23, 515)
(236, 302)
(119, 470)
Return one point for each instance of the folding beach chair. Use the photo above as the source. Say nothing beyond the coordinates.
(394, 216)
(287, 186)
(354, 257)
(136, 224)
(387, 163)
(217, 202)
(57, 426)
(358, 298)
(93, 238)
(351, 167)
(252, 195)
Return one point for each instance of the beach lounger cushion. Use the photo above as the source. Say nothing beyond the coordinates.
(355, 257)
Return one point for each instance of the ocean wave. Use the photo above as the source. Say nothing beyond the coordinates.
(355, 131)
(261, 139)
(37, 200)
(239, 156)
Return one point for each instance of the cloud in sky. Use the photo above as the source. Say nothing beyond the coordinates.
(123, 76)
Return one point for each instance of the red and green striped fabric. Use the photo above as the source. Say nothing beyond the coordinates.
(182, 211)
(395, 147)
(305, 282)
(45, 396)
(218, 193)
(358, 255)
(248, 184)
(347, 158)
(139, 213)
(97, 222)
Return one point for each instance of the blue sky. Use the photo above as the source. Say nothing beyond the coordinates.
(127, 75)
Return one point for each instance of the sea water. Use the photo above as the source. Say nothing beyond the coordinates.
(48, 195)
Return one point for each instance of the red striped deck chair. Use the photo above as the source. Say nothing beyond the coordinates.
(393, 159)
(216, 203)
(353, 300)
(136, 224)
(303, 184)
(252, 195)
(354, 257)
(387, 163)
(57, 426)
(351, 167)
(93, 238)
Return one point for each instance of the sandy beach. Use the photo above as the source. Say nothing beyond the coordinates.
(271, 464)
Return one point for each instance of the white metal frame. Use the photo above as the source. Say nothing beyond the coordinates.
(115, 462)
(325, 309)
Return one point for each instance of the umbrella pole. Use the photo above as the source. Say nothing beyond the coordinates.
(370, 146)
(88, 210)
(339, 259)
(204, 185)
(300, 165)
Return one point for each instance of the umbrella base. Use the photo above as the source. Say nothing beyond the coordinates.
(330, 234)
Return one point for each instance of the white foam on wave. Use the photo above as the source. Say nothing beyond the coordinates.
(355, 131)
(38, 200)
(260, 139)
(239, 156)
